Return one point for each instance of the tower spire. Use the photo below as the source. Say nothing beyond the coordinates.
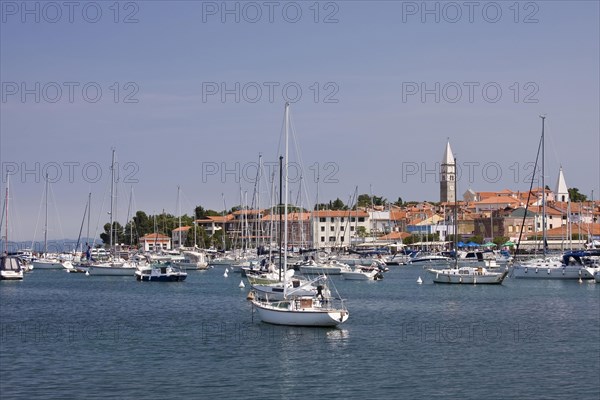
(562, 191)
(448, 176)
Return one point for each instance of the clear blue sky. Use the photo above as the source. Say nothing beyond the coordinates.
(372, 57)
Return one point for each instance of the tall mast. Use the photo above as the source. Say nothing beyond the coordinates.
(256, 226)
(112, 188)
(315, 231)
(285, 204)
(89, 208)
(543, 117)
(6, 218)
(46, 220)
(279, 210)
(179, 213)
(129, 212)
(223, 221)
(455, 218)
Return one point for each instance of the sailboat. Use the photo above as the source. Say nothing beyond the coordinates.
(465, 274)
(293, 309)
(115, 266)
(11, 267)
(47, 261)
(569, 266)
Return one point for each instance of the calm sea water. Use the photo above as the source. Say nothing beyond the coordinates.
(73, 336)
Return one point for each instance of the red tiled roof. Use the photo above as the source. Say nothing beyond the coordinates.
(154, 236)
(340, 213)
(395, 236)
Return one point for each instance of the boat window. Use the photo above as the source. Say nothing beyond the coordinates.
(12, 263)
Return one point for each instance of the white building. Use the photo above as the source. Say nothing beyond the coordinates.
(338, 228)
(155, 242)
(180, 233)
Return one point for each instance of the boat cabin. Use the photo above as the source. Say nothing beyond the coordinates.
(11, 267)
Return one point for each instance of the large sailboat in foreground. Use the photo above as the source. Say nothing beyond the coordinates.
(464, 274)
(293, 309)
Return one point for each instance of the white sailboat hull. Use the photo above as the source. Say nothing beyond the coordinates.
(11, 275)
(191, 265)
(359, 275)
(550, 272)
(283, 313)
(47, 264)
(467, 276)
(109, 270)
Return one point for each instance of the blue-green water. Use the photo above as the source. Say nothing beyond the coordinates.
(74, 336)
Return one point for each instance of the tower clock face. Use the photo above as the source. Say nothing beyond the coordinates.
(451, 187)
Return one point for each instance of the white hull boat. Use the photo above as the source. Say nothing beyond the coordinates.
(47, 263)
(573, 265)
(542, 271)
(11, 269)
(360, 275)
(112, 270)
(160, 273)
(191, 260)
(319, 310)
(467, 275)
(431, 259)
(330, 268)
(300, 312)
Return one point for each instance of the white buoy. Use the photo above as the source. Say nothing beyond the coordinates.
(241, 285)
(225, 274)
(419, 281)
(226, 270)
(87, 273)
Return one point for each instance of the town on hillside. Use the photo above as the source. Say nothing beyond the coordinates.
(502, 218)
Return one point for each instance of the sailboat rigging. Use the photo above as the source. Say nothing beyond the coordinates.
(464, 274)
(295, 309)
(572, 264)
(11, 267)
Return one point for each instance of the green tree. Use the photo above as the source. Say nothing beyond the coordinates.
(338, 204)
(364, 200)
(200, 236)
(201, 213)
(118, 233)
(321, 206)
(450, 238)
(477, 239)
(216, 240)
(500, 240)
(379, 201)
(361, 231)
(575, 196)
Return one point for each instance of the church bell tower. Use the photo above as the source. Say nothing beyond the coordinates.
(447, 176)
